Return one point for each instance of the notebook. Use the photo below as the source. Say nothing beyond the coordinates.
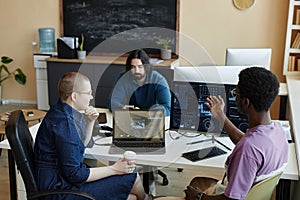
(141, 131)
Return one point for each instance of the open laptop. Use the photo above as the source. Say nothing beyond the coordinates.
(141, 131)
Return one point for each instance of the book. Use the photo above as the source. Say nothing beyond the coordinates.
(293, 64)
(296, 43)
(290, 63)
(297, 21)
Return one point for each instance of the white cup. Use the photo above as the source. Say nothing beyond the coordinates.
(129, 155)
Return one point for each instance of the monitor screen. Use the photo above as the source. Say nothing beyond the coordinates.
(189, 111)
(254, 56)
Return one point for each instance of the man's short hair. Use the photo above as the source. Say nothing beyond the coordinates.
(139, 54)
(70, 82)
(260, 86)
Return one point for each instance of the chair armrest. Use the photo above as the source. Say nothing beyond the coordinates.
(50, 192)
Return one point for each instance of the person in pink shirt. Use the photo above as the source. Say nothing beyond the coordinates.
(260, 152)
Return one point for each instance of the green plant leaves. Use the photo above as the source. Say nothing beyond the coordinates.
(18, 74)
(6, 60)
(164, 42)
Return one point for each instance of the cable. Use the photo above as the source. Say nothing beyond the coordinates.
(101, 144)
(183, 134)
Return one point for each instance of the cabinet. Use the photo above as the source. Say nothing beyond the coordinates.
(291, 64)
(101, 72)
(41, 80)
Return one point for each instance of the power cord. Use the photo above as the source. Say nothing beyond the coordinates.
(182, 134)
(101, 144)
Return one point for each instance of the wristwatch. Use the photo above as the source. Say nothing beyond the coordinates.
(199, 196)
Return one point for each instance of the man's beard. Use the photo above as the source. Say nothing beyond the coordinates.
(138, 76)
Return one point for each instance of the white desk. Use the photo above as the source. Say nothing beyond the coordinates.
(175, 148)
(293, 85)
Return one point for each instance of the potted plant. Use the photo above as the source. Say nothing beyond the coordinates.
(81, 53)
(165, 52)
(5, 73)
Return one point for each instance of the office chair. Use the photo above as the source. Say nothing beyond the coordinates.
(21, 143)
(262, 190)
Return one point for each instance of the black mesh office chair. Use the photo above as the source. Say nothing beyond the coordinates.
(21, 144)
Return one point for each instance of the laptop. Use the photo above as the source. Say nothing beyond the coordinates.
(141, 131)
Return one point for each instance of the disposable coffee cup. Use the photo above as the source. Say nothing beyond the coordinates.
(129, 155)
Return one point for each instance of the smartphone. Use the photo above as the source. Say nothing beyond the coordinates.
(102, 118)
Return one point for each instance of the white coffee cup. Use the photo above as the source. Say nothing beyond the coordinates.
(129, 155)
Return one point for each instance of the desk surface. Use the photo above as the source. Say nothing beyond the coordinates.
(110, 60)
(175, 148)
(293, 85)
(35, 115)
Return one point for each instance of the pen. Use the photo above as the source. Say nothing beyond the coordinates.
(199, 141)
(223, 144)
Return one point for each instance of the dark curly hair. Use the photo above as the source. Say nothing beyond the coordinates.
(260, 86)
(139, 54)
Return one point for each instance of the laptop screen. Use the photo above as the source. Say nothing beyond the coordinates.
(139, 125)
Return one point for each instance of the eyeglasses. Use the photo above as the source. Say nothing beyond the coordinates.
(88, 92)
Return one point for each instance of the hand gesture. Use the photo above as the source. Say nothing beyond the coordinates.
(91, 113)
(216, 106)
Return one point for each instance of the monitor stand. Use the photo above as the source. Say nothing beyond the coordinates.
(213, 139)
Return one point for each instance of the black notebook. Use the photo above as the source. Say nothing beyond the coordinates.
(203, 153)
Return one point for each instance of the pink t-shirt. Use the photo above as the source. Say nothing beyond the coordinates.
(262, 150)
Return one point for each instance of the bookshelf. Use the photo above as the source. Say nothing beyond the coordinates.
(291, 64)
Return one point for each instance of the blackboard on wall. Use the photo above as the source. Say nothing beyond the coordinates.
(99, 20)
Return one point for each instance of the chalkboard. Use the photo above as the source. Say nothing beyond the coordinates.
(128, 21)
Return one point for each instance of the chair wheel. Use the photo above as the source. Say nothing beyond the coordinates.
(165, 181)
(179, 169)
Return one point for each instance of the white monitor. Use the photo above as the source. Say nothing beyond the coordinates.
(249, 56)
(208, 74)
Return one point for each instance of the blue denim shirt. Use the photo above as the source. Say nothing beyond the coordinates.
(59, 150)
(154, 93)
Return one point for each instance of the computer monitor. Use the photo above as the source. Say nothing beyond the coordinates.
(249, 57)
(190, 113)
(208, 74)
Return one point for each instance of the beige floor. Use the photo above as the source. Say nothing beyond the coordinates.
(177, 180)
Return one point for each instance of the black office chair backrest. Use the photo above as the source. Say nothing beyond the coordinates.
(21, 144)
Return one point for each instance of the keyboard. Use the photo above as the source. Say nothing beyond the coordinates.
(138, 150)
(203, 153)
(138, 144)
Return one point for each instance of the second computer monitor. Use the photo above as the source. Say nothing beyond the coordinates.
(249, 57)
(190, 113)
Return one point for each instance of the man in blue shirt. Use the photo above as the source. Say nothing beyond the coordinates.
(140, 86)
